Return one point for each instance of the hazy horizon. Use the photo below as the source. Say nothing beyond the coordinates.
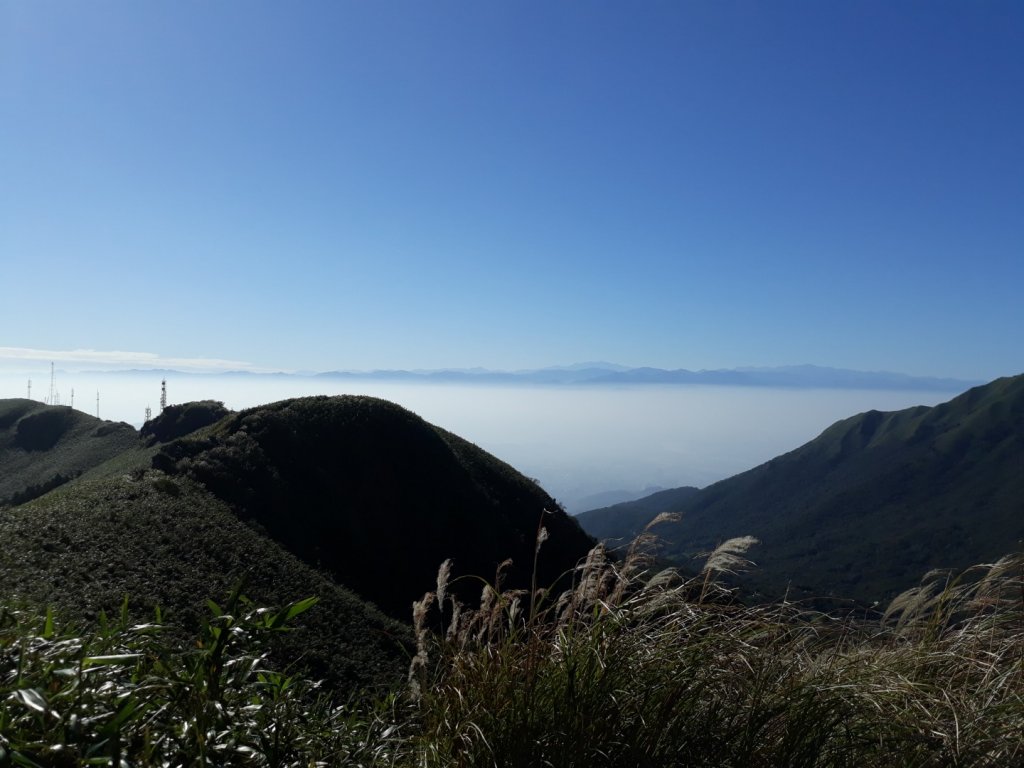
(577, 441)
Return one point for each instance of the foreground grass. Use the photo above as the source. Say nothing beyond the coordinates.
(623, 670)
(129, 695)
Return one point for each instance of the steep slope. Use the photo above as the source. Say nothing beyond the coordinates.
(375, 496)
(620, 523)
(44, 446)
(162, 542)
(876, 500)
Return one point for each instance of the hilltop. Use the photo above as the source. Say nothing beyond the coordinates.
(376, 496)
(868, 506)
(354, 500)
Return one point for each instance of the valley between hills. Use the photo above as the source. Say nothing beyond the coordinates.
(357, 502)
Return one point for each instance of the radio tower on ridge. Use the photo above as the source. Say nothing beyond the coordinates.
(30, 389)
(163, 395)
(50, 401)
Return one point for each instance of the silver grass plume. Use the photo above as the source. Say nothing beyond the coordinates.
(727, 557)
(444, 573)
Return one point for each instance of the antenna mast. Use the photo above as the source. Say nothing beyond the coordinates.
(52, 387)
(163, 395)
(149, 413)
(72, 397)
(97, 403)
(30, 389)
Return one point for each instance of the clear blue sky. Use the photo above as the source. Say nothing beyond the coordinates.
(357, 185)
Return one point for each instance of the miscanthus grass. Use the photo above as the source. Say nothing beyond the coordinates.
(628, 667)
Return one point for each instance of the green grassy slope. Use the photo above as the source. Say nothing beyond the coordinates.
(42, 447)
(876, 500)
(375, 496)
(166, 542)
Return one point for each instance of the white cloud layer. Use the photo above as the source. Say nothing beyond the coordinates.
(18, 358)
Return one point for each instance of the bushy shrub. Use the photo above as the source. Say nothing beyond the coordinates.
(179, 420)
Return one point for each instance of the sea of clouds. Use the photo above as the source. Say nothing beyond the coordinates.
(577, 441)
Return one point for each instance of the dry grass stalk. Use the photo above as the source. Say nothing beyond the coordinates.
(626, 669)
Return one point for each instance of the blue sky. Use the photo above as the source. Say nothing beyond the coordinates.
(352, 185)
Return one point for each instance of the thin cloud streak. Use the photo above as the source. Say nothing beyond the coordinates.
(11, 357)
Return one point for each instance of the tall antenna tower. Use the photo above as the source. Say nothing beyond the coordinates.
(30, 389)
(149, 413)
(72, 397)
(53, 381)
(163, 395)
(97, 403)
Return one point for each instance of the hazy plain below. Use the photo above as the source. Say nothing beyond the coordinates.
(577, 441)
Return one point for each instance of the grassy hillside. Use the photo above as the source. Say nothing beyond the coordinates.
(43, 447)
(375, 496)
(169, 542)
(876, 500)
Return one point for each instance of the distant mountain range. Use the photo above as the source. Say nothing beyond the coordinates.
(610, 374)
(809, 376)
(865, 508)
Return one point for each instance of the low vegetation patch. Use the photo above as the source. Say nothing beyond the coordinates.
(133, 695)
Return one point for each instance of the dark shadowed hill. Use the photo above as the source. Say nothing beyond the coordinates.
(45, 446)
(875, 501)
(375, 496)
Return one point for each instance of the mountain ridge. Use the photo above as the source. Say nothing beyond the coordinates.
(869, 505)
(611, 374)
